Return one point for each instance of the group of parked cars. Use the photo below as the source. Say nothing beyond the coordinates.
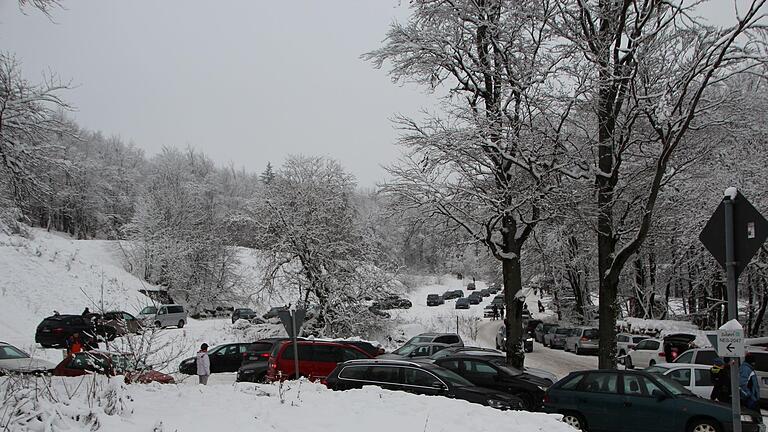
(462, 302)
(578, 340)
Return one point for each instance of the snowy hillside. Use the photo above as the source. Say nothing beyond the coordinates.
(51, 272)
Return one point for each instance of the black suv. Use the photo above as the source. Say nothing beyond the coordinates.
(224, 358)
(243, 313)
(491, 371)
(254, 367)
(55, 330)
(415, 377)
(434, 300)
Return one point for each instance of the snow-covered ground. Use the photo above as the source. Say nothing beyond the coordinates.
(296, 406)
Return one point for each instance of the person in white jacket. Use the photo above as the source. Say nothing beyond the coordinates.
(203, 364)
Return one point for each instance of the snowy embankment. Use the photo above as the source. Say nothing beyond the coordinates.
(102, 405)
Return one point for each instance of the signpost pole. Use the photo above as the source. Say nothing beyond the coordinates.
(733, 311)
(296, 347)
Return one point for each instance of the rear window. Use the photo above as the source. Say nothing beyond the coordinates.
(306, 352)
(52, 321)
(591, 334)
(259, 347)
(572, 382)
(563, 331)
(637, 339)
(450, 339)
(706, 357)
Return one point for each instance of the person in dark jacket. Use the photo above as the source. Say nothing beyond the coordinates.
(721, 381)
(86, 311)
(749, 385)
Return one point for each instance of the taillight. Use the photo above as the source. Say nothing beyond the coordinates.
(264, 355)
(661, 354)
(584, 339)
(546, 398)
(58, 330)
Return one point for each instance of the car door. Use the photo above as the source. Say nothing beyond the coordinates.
(702, 382)
(218, 359)
(479, 373)
(682, 376)
(642, 354)
(598, 400)
(421, 382)
(232, 358)
(387, 377)
(641, 410)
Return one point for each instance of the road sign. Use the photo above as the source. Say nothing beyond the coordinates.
(750, 231)
(730, 340)
(288, 321)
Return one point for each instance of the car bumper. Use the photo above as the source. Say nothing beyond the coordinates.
(50, 339)
(746, 427)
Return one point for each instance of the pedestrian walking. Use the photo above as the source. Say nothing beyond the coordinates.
(495, 310)
(501, 310)
(86, 311)
(749, 385)
(721, 381)
(203, 364)
(541, 307)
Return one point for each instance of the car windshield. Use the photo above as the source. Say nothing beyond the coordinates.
(149, 310)
(656, 370)
(502, 364)
(451, 377)
(673, 387)
(8, 352)
(406, 349)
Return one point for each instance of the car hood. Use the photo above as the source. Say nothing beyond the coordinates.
(541, 373)
(26, 365)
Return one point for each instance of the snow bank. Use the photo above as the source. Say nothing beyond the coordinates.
(661, 328)
(296, 406)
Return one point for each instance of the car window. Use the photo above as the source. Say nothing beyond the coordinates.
(702, 378)
(418, 377)
(149, 310)
(706, 357)
(306, 352)
(478, 367)
(685, 357)
(642, 345)
(591, 334)
(89, 362)
(653, 345)
(421, 351)
(233, 350)
(448, 339)
(632, 386)
(651, 388)
(175, 309)
(450, 364)
(622, 338)
(353, 372)
(384, 374)
(571, 383)
(351, 354)
(682, 376)
(638, 339)
(8, 352)
(162, 311)
(599, 383)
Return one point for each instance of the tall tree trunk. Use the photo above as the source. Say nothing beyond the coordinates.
(513, 284)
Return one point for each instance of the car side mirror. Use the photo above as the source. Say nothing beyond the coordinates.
(659, 395)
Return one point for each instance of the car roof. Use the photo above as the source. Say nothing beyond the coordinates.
(394, 362)
(682, 365)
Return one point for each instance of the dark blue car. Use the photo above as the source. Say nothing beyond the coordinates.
(629, 401)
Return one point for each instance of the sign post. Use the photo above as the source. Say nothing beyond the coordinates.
(292, 320)
(745, 231)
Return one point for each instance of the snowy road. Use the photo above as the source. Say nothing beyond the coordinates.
(558, 362)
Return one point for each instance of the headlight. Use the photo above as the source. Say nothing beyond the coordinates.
(746, 418)
(499, 404)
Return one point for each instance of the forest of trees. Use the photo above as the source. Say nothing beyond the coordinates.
(580, 147)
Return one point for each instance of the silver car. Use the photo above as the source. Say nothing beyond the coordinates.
(557, 339)
(14, 360)
(582, 339)
(164, 316)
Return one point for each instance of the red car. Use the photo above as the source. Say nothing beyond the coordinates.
(317, 359)
(107, 363)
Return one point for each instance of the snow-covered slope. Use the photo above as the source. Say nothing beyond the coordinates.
(50, 272)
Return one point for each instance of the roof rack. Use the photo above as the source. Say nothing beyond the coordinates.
(383, 361)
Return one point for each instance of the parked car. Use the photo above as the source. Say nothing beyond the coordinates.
(55, 330)
(420, 349)
(14, 360)
(648, 352)
(694, 377)
(702, 356)
(541, 330)
(635, 401)
(122, 322)
(558, 338)
(415, 377)
(546, 339)
(531, 326)
(224, 358)
(272, 312)
(626, 342)
(392, 302)
(582, 340)
(462, 303)
(452, 339)
(256, 359)
(498, 300)
(434, 300)
(162, 316)
(485, 292)
(475, 298)
(471, 286)
(464, 349)
(108, 363)
(453, 294)
(488, 311)
(501, 340)
(317, 359)
(492, 372)
(243, 313)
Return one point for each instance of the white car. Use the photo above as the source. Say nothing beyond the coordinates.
(14, 360)
(647, 353)
(694, 377)
(625, 342)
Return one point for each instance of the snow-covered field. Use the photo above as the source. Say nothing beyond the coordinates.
(85, 404)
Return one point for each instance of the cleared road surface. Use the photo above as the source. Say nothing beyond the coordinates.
(558, 362)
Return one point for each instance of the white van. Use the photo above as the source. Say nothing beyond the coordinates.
(164, 316)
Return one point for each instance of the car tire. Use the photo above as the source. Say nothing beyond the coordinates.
(577, 350)
(703, 425)
(574, 420)
(181, 323)
(652, 363)
(622, 353)
(158, 324)
(628, 363)
(527, 401)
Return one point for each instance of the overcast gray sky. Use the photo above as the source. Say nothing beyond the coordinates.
(244, 81)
